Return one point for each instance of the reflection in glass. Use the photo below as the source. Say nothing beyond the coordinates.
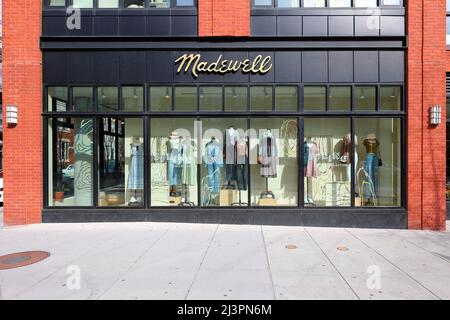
(70, 162)
(132, 99)
(286, 98)
(340, 3)
(288, 3)
(224, 173)
(378, 176)
(121, 162)
(236, 99)
(327, 162)
(314, 3)
(273, 159)
(83, 4)
(340, 98)
(185, 99)
(390, 98)
(173, 161)
(261, 98)
(107, 4)
(57, 98)
(159, 4)
(107, 99)
(133, 4)
(185, 3)
(315, 98)
(210, 98)
(82, 99)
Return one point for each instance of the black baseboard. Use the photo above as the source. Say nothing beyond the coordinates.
(348, 218)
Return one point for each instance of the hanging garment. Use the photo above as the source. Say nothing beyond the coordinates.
(305, 154)
(136, 176)
(268, 155)
(311, 169)
(346, 146)
(371, 168)
(189, 174)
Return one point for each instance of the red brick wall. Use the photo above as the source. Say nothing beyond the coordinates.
(22, 146)
(426, 86)
(224, 18)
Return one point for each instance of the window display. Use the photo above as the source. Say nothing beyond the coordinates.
(224, 175)
(70, 161)
(173, 162)
(327, 162)
(121, 162)
(274, 173)
(378, 175)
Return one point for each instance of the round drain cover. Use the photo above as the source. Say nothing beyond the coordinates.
(21, 259)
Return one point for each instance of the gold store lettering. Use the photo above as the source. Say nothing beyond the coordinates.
(194, 62)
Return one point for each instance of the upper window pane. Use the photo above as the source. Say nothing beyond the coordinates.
(392, 2)
(236, 99)
(57, 99)
(133, 4)
(185, 3)
(107, 99)
(366, 98)
(185, 99)
(314, 3)
(132, 98)
(263, 2)
(159, 3)
(286, 98)
(82, 99)
(365, 3)
(340, 3)
(391, 98)
(56, 3)
(261, 98)
(83, 3)
(210, 98)
(315, 98)
(105, 4)
(160, 98)
(340, 98)
(288, 3)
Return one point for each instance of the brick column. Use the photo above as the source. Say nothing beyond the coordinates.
(426, 64)
(22, 87)
(223, 18)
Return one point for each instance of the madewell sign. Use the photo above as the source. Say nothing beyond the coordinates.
(194, 63)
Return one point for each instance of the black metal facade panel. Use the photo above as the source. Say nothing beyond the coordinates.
(381, 218)
(315, 26)
(158, 66)
(340, 26)
(119, 23)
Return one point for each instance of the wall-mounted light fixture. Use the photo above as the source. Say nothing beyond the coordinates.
(11, 116)
(435, 115)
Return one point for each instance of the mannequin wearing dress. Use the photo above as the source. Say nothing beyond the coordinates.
(136, 176)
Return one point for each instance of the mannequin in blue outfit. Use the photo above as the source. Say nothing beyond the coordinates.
(174, 163)
(371, 164)
(213, 162)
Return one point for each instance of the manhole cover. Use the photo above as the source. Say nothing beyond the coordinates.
(291, 246)
(21, 259)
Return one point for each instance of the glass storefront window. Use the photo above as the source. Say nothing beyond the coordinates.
(173, 162)
(70, 161)
(340, 98)
(340, 3)
(225, 158)
(210, 98)
(107, 4)
(56, 3)
(185, 99)
(378, 175)
(159, 3)
(366, 98)
(133, 4)
(263, 2)
(82, 99)
(160, 98)
(236, 99)
(273, 161)
(121, 162)
(390, 98)
(314, 98)
(133, 99)
(57, 99)
(261, 98)
(313, 3)
(288, 3)
(185, 3)
(327, 162)
(286, 98)
(365, 3)
(108, 99)
(83, 4)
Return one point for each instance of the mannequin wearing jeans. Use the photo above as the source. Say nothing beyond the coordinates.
(174, 162)
(213, 162)
(371, 166)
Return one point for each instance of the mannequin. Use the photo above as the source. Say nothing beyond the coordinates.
(311, 168)
(371, 164)
(174, 162)
(241, 168)
(346, 152)
(268, 158)
(136, 175)
(231, 139)
(213, 162)
(188, 172)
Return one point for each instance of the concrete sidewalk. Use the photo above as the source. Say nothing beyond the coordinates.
(185, 261)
